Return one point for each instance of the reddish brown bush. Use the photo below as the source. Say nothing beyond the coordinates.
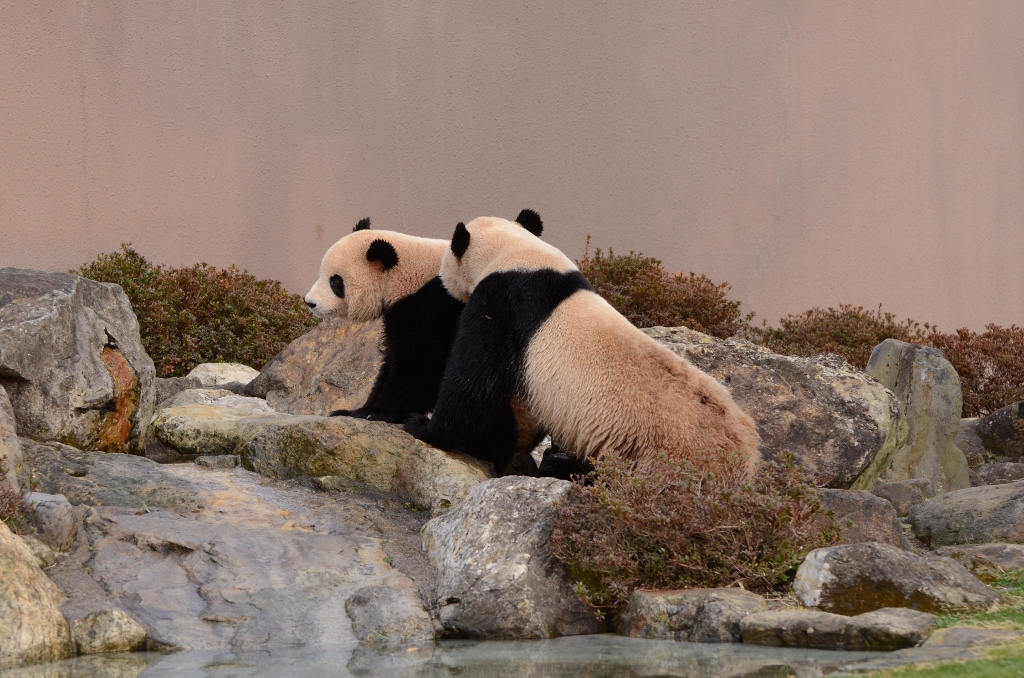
(990, 365)
(671, 527)
(203, 314)
(642, 290)
(851, 331)
(14, 510)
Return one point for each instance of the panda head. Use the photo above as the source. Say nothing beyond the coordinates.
(367, 271)
(490, 244)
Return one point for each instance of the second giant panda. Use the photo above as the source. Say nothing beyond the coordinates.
(369, 274)
(536, 335)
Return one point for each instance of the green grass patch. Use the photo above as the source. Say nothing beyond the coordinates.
(1011, 616)
(1001, 662)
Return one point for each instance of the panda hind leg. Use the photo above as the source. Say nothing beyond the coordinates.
(557, 463)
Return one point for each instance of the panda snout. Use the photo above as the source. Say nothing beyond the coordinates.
(311, 304)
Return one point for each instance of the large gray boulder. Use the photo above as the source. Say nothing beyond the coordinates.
(928, 389)
(331, 367)
(1002, 432)
(694, 615)
(904, 494)
(72, 361)
(977, 515)
(855, 578)
(841, 424)
(10, 448)
(883, 629)
(498, 576)
(32, 628)
(862, 517)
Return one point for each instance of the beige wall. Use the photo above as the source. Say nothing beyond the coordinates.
(810, 153)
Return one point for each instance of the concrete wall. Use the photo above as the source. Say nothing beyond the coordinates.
(808, 152)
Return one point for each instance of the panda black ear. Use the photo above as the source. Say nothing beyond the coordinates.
(363, 224)
(382, 251)
(460, 240)
(530, 220)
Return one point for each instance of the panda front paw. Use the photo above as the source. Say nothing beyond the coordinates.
(346, 413)
(417, 425)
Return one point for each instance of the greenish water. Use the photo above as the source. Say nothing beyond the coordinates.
(605, 656)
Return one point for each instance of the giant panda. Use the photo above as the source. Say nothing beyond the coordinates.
(536, 342)
(369, 274)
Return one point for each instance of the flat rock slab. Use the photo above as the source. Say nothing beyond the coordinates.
(884, 629)
(841, 424)
(965, 636)
(249, 564)
(694, 615)
(855, 578)
(863, 517)
(977, 515)
(987, 562)
(498, 576)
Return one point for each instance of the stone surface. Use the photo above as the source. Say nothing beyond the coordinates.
(855, 578)
(218, 397)
(44, 555)
(245, 564)
(72, 361)
(883, 629)
(33, 630)
(54, 520)
(378, 619)
(215, 375)
(381, 456)
(928, 389)
(1002, 432)
(208, 429)
(218, 460)
(863, 517)
(1003, 472)
(987, 562)
(977, 515)
(904, 494)
(965, 636)
(111, 630)
(695, 615)
(172, 386)
(839, 423)
(970, 444)
(498, 576)
(331, 367)
(10, 448)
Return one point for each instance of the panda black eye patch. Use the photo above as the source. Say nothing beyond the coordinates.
(338, 285)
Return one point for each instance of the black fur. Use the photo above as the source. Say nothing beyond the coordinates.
(559, 464)
(384, 252)
(363, 224)
(460, 240)
(486, 368)
(337, 285)
(530, 220)
(418, 335)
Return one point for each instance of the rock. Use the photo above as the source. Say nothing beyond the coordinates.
(43, 554)
(1002, 432)
(840, 424)
(863, 517)
(10, 448)
(218, 460)
(904, 494)
(108, 631)
(976, 515)
(970, 444)
(33, 630)
(380, 456)
(331, 367)
(928, 389)
(372, 610)
(72, 361)
(215, 375)
(209, 429)
(997, 474)
(247, 564)
(499, 578)
(965, 636)
(219, 397)
(172, 386)
(695, 615)
(883, 629)
(855, 578)
(987, 562)
(54, 520)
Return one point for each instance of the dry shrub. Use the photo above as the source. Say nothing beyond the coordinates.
(850, 331)
(14, 510)
(990, 365)
(203, 314)
(640, 288)
(673, 527)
